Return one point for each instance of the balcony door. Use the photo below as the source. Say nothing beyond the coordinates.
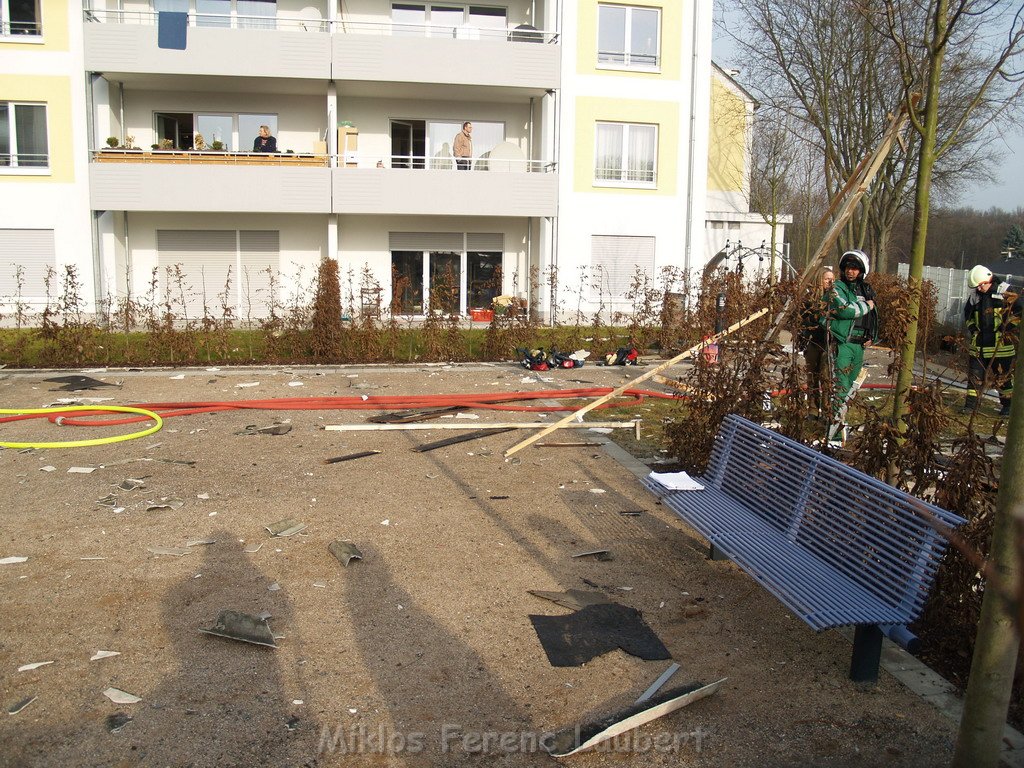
(444, 272)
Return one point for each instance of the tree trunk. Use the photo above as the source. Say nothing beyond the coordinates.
(927, 127)
(979, 742)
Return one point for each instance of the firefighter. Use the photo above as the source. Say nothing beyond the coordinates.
(993, 322)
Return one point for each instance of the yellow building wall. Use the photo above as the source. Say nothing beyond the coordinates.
(54, 16)
(664, 114)
(727, 140)
(670, 47)
(55, 92)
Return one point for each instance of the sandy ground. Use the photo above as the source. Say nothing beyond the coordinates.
(388, 661)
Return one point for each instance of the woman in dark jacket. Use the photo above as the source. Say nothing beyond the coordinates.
(812, 340)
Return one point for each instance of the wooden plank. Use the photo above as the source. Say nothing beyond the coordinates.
(501, 425)
(565, 421)
(460, 439)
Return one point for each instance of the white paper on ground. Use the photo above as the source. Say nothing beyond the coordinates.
(34, 665)
(103, 655)
(676, 481)
(12, 560)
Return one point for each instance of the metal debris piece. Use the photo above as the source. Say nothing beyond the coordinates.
(165, 502)
(273, 429)
(242, 627)
(48, 468)
(344, 551)
(200, 542)
(103, 655)
(498, 498)
(81, 470)
(656, 685)
(601, 554)
(110, 500)
(117, 721)
(245, 384)
(131, 484)
(16, 708)
(631, 512)
(351, 456)
(459, 439)
(118, 696)
(412, 416)
(580, 737)
(253, 548)
(183, 462)
(33, 665)
(178, 551)
(287, 527)
(577, 444)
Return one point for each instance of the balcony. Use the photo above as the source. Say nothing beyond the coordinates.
(234, 46)
(422, 53)
(232, 182)
(381, 52)
(243, 182)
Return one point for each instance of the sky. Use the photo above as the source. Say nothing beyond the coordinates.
(1006, 191)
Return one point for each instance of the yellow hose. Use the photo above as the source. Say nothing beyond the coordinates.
(84, 443)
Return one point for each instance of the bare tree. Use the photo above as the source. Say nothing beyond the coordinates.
(825, 63)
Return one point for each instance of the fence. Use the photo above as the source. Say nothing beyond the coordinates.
(951, 285)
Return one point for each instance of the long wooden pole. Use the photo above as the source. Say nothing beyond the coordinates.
(574, 417)
(476, 425)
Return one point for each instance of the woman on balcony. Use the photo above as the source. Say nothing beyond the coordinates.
(264, 142)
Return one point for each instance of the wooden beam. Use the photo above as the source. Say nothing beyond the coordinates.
(500, 425)
(573, 418)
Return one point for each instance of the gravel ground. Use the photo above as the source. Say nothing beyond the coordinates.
(422, 653)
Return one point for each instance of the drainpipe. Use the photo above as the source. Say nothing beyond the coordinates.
(120, 98)
(128, 277)
(530, 138)
(692, 143)
(529, 257)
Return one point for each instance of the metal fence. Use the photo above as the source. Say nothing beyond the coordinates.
(951, 285)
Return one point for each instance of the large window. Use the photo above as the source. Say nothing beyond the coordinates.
(628, 37)
(20, 17)
(23, 135)
(626, 155)
(447, 20)
(236, 132)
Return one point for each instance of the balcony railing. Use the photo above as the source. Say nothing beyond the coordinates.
(288, 159)
(386, 28)
(205, 157)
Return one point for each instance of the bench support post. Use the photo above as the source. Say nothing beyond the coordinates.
(715, 553)
(867, 652)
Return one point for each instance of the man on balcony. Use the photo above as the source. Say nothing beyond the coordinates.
(264, 142)
(463, 147)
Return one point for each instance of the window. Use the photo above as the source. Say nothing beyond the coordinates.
(614, 259)
(23, 135)
(447, 20)
(20, 17)
(627, 155)
(628, 37)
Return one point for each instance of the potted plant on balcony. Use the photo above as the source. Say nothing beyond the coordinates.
(217, 146)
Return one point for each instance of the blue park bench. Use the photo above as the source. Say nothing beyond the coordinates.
(836, 546)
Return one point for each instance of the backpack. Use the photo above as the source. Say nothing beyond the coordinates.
(623, 356)
(533, 359)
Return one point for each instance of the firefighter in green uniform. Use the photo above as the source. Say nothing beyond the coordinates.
(993, 322)
(852, 321)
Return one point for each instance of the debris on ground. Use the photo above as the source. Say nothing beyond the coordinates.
(176, 551)
(118, 696)
(351, 456)
(16, 708)
(575, 639)
(81, 470)
(276, 428)
(284, 528)
(165, 502)
(599, 554)
(459, 439)
(344, 551)
(12, 560)
(117, 721)
(656, 685)
(242, 627)
(103, 655)
(578, 738)
(33, 665)
(77, 383)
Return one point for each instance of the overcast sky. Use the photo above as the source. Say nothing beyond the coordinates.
(1006, 192)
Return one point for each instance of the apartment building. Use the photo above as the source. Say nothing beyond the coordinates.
(44, 215)
(590, 130)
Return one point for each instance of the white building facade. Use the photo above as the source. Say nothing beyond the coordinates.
(590, 150)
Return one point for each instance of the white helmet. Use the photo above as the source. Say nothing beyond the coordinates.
(855, 255)
(978, 275)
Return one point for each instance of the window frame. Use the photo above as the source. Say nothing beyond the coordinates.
(12, 131)
(627, 65)
(9, 36)
(623, 181)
